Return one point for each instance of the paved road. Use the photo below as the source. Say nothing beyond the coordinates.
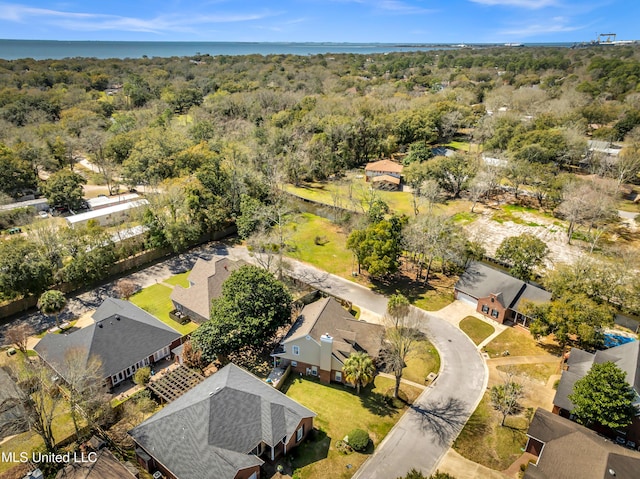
(425, 433)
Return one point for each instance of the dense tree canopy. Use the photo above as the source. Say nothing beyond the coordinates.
(252, 307)
(604, 397)
(523, 253)
(64, 188)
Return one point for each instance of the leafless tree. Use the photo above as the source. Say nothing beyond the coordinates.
(18, 334)
(505, 397)
(83, 376)
(401, 338)
(41, 397)
(125, 288)
(193, 357)
(585, 202)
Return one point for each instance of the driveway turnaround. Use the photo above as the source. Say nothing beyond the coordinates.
(427, 430)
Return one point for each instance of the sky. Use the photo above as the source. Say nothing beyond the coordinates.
(385, 21)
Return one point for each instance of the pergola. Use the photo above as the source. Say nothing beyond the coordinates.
(175, 383)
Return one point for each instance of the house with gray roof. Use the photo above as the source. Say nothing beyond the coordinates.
(323, 337)
(205, 285)
(496, 294)
(567, 450)
(100, 464)
(626, 357)
(223, 428)
(123, 336)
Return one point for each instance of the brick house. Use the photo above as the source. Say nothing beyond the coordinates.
(390, 171)
(205, 284)
(223, 428)
(627, 358)
(123, 336)
(566, 450)
(323, 337)
(497, 295)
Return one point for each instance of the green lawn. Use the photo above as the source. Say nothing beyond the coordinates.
(155, 300)
(339, 411)
(434, 299)
(423, 360)
(538, 372)
(348, 194)
(484, 441)
(28, 441)
(179, 279)
(329, 253)
(476, 329)
(515, 340)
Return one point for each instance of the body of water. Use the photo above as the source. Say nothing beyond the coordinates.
(47, 49)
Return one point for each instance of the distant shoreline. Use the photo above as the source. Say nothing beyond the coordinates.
(11, 49)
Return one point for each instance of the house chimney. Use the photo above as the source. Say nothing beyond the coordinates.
(326, 346)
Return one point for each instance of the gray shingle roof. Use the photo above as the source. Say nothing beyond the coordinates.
(481, 280)
(106, 466)
(573, 451)
(349, 335)
(625, 356)
(206, 281)
(209, 431)
(122, 334)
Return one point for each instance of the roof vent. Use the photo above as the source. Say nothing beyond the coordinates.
(612, 472)
(99, 325)
(117, 317)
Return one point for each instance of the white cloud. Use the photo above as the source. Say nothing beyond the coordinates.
(396, 6)
(529, 4)
(97, 21)
(553, 25)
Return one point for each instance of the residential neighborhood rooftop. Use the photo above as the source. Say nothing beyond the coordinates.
(349, 334)
(572, 451)
(625, 356)
(384, 165)
(215, 425)
(120, 335)
(480, 280)
(206, 279)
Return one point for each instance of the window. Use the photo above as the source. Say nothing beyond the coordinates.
(339, 376)
(300, 433)
(495, 313)
(485, 309)
(294, 363)
(295, 350)
(314, 370)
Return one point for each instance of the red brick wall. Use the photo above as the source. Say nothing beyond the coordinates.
(325, 376)
(246, 473)
(493, 304)
(307, 423)
(534, 446)
(302, 368)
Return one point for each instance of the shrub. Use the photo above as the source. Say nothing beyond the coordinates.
(142, 376)
(343, 447)
(358, 439)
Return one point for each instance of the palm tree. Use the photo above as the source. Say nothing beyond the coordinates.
(359, 369)
(52, 302)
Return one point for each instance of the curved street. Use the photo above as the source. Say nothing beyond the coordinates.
(426, 431)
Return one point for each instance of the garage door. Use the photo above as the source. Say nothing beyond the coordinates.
(467, 299)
